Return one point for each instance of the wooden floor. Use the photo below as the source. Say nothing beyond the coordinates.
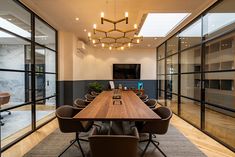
(206, 144)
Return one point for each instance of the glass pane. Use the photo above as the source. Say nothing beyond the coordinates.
(172, 64)
(191, 35)
(191, 60)
(172, 45)
(220, 89)
(161, 51)
(161, 97)
(161, 67)
(16, 124)
(50, 85)
(172, 83)
(14, 19)
(190, 86)
(45, 110)
(191, 111)
(172, 102)
(44, 34)
(220, 54)
(14, 53)
(161, 82)
(45, 60)
(14, 84)
(220, 19)
(221, 124)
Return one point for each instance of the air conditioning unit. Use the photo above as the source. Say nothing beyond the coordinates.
(81, 47)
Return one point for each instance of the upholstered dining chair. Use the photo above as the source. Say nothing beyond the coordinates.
(151, 103)
(94, 93)
(156, 127)
(67, 124)
(89, 97)
(4, 99)
(144, 97)
(104, 145)
(80, 103)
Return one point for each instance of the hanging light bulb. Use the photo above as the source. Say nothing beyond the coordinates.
(94, 26)
(110, 47)
(89, 34)
(122, 48)
(102, 44)
(135, 26)
(129, 44)
(126, 14)
(93, 41)
(138, 41)
(102, 14)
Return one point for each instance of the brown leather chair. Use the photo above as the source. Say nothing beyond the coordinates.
(144, 97)
(104, 145)
(156, 127)
(4, 99)
(67, 124)
(151, 103)
(94, 93)
(89, 97)
(80, 103)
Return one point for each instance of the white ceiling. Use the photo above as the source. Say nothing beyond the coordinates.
(62, 13)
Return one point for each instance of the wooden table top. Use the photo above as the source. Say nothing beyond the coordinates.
(131, 109)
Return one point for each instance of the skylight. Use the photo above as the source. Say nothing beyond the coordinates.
(161, 24)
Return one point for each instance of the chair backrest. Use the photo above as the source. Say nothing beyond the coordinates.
(4, 98)
(151, 103)
(89, 97)
(79, 103)
(114, 145)
(94, 93)
(143, 97)
(66, 122)
(158, 126)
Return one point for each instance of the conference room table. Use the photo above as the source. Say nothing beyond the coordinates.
(128, 108)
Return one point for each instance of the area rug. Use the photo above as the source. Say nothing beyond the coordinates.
(174, 144)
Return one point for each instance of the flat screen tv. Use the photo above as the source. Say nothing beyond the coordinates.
(126, 71)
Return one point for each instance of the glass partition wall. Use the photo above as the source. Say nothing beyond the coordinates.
(27, 71)
(196, 73)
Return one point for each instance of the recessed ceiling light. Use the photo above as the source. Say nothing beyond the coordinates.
(84, 30)
(77, 18)
(155, 38)
(161, 24)
(148, 45)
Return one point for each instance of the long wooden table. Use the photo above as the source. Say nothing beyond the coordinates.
(102, 108)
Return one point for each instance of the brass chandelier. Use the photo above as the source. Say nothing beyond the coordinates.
(107, 39)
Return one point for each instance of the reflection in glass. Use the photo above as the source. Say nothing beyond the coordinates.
(191, 111)
(172, 83)
(191, 60)
(220, 54)
(190, 86)
(44, 34)
(220, 89)
(14, 19)
(191, 35)
(14, 83)
(221, 124)
(161, 51)
(15, 125)
(220, 19)
(161, 82)
(172, 64)
(161, 97)
(172, 45)
(45, 110)
(14, 54)
(172, 102)
(161, 66)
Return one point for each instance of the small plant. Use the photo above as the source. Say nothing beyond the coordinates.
(95, 86)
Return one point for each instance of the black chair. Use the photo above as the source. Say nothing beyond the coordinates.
(67, 124)
(94, 93)
(151, 103)
(80, 103)
(156, 127)
(144, 98)
(105, 145)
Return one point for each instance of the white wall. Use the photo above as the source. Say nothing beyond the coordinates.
(96, 64)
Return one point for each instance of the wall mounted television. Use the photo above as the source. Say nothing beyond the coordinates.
(126, 71)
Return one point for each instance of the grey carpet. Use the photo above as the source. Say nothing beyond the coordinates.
(174, 144)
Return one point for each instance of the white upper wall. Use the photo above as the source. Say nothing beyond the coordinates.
(96, 64)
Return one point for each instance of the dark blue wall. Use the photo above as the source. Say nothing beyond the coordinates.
(70, 90)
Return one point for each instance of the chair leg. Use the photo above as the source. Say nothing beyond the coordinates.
(159, 149)
(78, 141)
(67, 148)
(146, 147)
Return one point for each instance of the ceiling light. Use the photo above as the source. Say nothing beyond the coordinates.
(84, 30)
(148, 45)
(93, 41)
(161, 24)
(122, 48)
(89, 34)
(155, 38)
(110, 47)
(77, 19)
(125, 38)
